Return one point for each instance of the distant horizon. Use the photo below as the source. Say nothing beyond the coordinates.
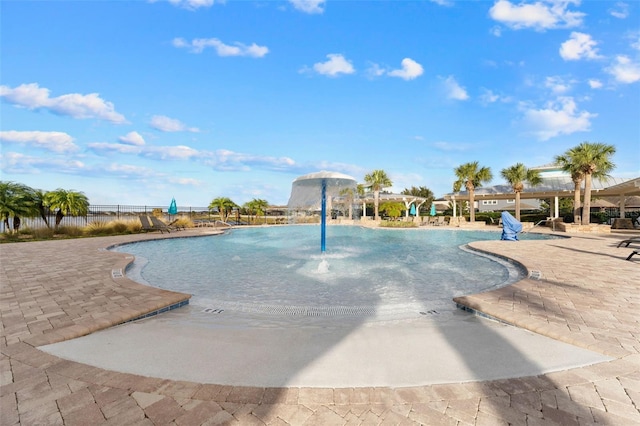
(197, 100)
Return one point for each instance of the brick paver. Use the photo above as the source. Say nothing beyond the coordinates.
(583, 292)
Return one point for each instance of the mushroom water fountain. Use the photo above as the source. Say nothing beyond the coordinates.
(310, 192)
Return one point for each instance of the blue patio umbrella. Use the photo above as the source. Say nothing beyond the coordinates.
(433, 210)
(412, 211)
(173, 208)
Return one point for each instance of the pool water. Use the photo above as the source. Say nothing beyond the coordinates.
(363, 271)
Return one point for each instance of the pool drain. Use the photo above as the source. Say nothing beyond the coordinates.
(309, 311)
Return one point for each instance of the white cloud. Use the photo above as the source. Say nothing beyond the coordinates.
(179, 152)
(114, 147)
(595, 84)
(51, 141)
(32, 96)
(337, 64)
(192, 4)
(579, 46)
(375, 70)
(410, 70)
(12, 162)
(197, 45)
(227, 160)
(557, 85)
(488, 97)
(132, 138)
(621, 10)
(625, 70)
(308, 6)
(540, 15)
(443, 2)
(128, 170)
(635, 37)
(166, 124)
(454, 90)
(559, 117)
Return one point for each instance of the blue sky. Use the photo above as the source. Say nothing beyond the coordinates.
(136, 102)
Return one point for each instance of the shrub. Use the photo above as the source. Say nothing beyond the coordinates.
(97, 228)
(134, 226)
(119, 227)
(69, 231)
(183, 222)
(114, 227)
(397, 224)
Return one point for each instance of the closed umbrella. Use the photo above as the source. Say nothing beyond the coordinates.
(412, 211)
(433, 210)
(173, 208)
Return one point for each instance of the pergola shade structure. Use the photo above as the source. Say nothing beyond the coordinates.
(407, 200)
(555, 188)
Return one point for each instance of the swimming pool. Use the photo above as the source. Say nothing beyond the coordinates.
(364, 271)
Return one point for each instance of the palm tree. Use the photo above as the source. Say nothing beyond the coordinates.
(587, 160)
(568, 163)
(377, 180)
(260, 206)
(67, 203)
(16, 200)
(393, 209)
(249, 209)
(224, 206)
(517, 175)
(472, 176)
(593, 160)
(423, 192)
(39, 201)
(349, 195)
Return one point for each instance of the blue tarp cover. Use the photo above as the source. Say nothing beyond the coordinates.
(510, 227)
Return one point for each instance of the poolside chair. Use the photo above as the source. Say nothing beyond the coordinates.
(146, 225)
(174, 224)
(440, 221)
(632, 240)
(159, 225)
(632, 253)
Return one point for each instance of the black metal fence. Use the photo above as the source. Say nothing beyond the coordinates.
(108, 213)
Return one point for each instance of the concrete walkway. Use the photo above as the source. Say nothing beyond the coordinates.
(581, 291)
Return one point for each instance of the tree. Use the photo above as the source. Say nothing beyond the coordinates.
(39, 203)
(16, 200)
(516, 176)
(66, 203)
(260, 207)
(423, 192)
(568, 164)
(472, 176)
(590, 160)
(349, 195)
(377, 180)
(393, 209)
(249, 208)
(224, 205)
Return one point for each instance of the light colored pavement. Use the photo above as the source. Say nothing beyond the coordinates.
(584, 293)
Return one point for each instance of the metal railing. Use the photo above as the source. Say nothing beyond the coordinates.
(108, 213)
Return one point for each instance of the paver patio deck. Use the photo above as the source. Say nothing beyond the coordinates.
(583, 292)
